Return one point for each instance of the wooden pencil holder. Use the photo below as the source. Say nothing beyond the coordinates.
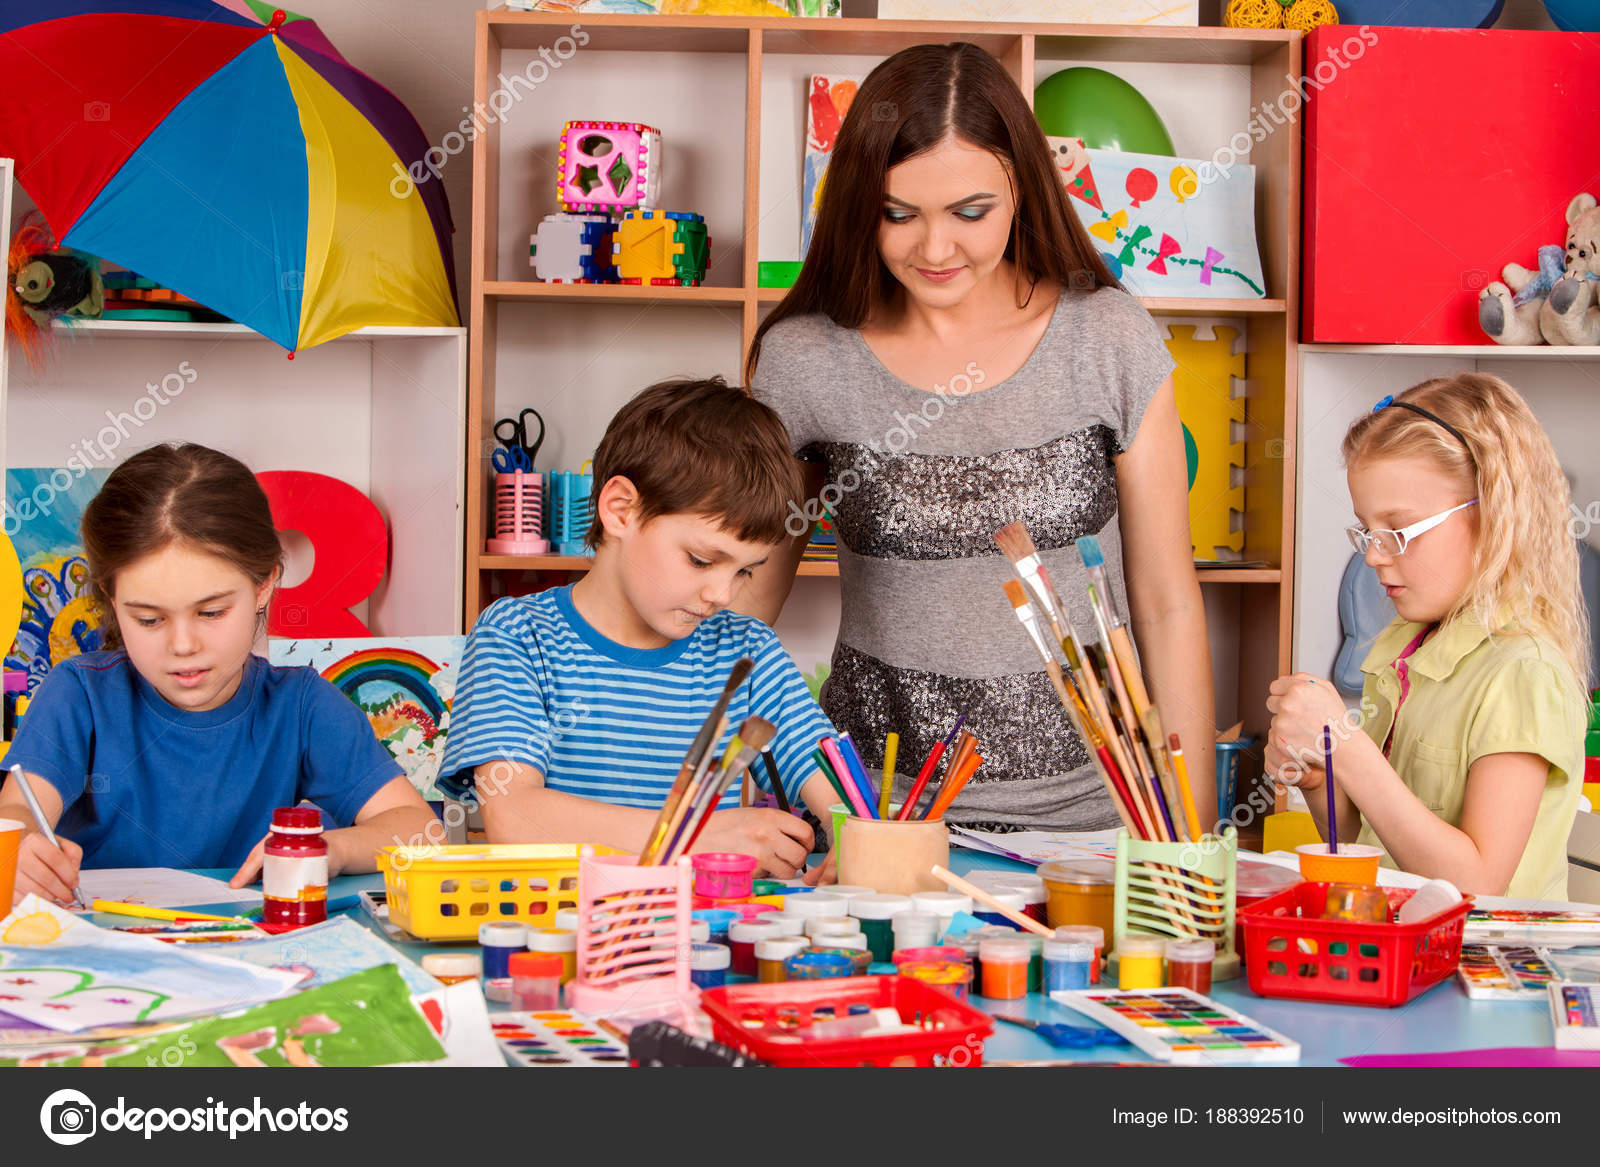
(1181, 890)
(634, 944)
(891, 856)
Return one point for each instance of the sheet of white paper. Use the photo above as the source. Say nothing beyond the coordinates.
(1039, 846)
(466, 1035)
(162, 887)
(59, 970)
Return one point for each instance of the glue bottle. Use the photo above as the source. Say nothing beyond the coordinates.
(294, 868)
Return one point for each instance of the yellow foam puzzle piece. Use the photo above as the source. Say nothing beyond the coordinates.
(1207, 406)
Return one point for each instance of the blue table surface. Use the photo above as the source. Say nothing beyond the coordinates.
(1444, 1018)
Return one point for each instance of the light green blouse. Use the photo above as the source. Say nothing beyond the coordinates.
(1473, 694)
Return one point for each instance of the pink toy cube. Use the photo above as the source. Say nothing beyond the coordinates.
(609, 166)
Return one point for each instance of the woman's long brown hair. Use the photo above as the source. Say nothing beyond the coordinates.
(907, 105)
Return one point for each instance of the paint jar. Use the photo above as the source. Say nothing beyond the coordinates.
(828, 927)
(823, 903)
(848, 890)
(770, 955)
(1140, 955)
(860, 959)
(742, 939)
(752, 911)
(789, 924)
(1361, 905)
(1252, 883)
(816, 966)
(294, 868)
(1027, 882)
(1005, 967)
(708, 965)
(914, 929)
(934, 953)
(953, 976)
(717, 920)
(1010, 897)
(1067, 965)
(1353, 863)
(499, 939)
(699, 932)
(877, 913)
(451, 968)
(1085, 934)
(723, 875)
(892, 856)
(567, 918)
(943, 904)
(1080, 891)
(561, 942)
(536, 981)
(1189, 964)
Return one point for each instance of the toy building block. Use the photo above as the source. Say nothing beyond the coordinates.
(662, 247)
(573, 249)
(609, 166)
(1213, 421)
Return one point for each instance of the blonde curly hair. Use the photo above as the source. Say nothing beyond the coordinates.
(1525, 572)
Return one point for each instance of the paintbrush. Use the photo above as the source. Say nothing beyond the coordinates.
(698, 749)
(771, 766)
(699, 789)
(928, 767)
(1181, 770)
(754, 736)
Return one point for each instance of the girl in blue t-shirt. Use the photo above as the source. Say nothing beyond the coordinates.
(172, 747)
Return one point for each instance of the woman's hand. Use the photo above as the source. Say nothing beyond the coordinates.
(1301, 706)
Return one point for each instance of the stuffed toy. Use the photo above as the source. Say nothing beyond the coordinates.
(45, 283)
(1558, 303)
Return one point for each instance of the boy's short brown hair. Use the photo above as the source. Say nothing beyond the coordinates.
(702, 447)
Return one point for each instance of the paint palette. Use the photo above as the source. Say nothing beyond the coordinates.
(1181, 1026)
(1492, 973)
(1488, 925)
(556, 1039)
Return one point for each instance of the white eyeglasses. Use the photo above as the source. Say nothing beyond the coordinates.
(1393, 543)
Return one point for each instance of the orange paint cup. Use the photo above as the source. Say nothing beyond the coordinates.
(10, 839)
(1353, 863)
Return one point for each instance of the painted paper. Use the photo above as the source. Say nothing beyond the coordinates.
(827, 101)
(329, 952)
(405, 686)
(59, 620)
(59, 970)
(1167, 227)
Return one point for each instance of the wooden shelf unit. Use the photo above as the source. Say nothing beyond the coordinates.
(1252, 68)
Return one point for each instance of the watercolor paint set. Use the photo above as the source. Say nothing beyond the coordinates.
(1490, 972)
(1486, 926)
(1575, 1013)
(557, 1039)
(1183, 1027)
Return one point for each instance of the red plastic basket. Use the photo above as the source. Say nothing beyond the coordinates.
(756, 1018)
(1290, 952)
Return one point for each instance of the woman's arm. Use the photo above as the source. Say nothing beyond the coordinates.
(766, 594)
(1167, 612)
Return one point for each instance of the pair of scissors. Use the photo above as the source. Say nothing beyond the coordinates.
(519, 453)
(1067, 1036)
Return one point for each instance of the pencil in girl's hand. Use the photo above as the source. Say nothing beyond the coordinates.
(928, 767)
(710, 731)
(891, 754)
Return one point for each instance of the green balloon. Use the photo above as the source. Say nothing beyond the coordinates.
(1102, 109)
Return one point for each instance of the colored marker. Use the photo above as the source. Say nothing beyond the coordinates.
(891, 752)
(858, 771)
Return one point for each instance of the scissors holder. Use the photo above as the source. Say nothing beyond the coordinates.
(518, 514)
(571, 511)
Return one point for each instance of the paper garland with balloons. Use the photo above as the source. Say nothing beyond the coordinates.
(1161, 230)
(827, 101)
(405, 686)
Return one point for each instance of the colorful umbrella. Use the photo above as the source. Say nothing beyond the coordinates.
(227, 151)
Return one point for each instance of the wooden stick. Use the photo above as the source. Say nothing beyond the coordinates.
(991, 903)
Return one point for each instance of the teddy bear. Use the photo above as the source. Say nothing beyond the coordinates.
(1558, 303)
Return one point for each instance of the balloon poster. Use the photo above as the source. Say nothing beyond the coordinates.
(1160, 228)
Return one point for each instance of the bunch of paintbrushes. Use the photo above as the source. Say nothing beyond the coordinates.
(704, 778)
(1104, 694)
(840, 762)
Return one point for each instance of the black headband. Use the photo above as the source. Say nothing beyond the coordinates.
(1433, 417)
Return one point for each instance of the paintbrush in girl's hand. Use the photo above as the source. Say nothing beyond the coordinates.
(703, 742)
(753, 737)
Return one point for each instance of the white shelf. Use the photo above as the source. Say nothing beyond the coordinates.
(1480, 352)
(166, 329)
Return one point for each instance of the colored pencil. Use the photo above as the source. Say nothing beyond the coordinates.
(703, 743)
(1327, 765)
(891, 754)
(1181, 769)
(928, 767)
(142, 912)
(953, 786)
(966, 746)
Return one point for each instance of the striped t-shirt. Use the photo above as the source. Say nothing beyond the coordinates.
(539, 685)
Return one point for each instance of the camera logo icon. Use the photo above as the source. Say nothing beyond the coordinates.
(68, 1117)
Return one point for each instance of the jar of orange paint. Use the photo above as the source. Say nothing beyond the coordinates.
(1005, 962)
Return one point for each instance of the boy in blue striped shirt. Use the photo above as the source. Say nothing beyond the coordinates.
(575, 706)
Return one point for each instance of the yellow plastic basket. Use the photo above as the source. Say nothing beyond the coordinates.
(445, 893)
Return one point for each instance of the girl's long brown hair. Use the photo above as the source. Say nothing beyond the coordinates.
(907, 105)
(170, 494)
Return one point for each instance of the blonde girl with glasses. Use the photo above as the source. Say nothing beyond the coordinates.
(1470, 761)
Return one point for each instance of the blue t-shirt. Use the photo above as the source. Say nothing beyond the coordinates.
(146, 784)
(539, 685)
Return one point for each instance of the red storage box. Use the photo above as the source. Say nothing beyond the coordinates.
(750, 1018)
(1433, 158)
(1290, 952)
